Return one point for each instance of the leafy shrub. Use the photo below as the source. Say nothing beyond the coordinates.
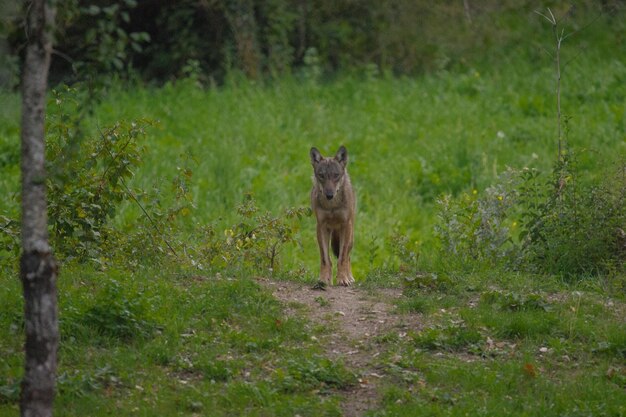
(560, 226)
(98, 37)
(89, 180)
(256, 241)
(87, 176)
(476, 228)
(570, 227)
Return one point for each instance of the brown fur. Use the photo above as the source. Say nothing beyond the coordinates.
(334, 204)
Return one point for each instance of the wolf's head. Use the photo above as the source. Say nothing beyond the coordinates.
(329, 172)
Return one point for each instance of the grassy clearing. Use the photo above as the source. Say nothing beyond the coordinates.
(508, 351)
(169, 340)
(410, 140)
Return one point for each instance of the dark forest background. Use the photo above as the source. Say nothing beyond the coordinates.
(158, 40)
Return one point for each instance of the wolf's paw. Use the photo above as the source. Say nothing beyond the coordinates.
(346, 281)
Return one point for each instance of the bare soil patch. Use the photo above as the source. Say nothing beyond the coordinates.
(358, 317)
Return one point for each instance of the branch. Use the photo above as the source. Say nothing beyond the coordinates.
(145, 212)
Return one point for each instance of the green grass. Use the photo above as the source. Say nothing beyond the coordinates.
(508, 352)
(168, 340)
(172, 345)
(409, 141)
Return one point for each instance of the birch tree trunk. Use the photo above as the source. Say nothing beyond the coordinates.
(38, 268)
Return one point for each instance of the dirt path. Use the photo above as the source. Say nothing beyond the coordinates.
(359, 316)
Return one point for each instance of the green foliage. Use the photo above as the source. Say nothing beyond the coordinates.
(414, 304)
(570, 226)
(406, 251)
(9, 63)
(420, 281)
(315, 373)
(160, 335)
(275, 37)
(9, 236)
(452, 337)
(99, 37)
(117, 314)
(514, 301)
(564, 225)
(256, 241)
(88, 178)
(78, 383)
(9, 391)
(478, 228)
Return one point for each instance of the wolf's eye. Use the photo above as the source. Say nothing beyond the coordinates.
(336, 177)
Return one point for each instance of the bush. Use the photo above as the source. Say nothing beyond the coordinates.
(256, 241)
(88, 177)
(561, 225)
(478, 228)
(572, 228)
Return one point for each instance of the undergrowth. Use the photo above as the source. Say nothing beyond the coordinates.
(557, 224)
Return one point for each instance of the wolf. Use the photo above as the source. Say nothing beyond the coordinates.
(333, 202)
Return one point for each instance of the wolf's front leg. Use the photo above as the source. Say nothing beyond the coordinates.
(344, 268)
(326, 267)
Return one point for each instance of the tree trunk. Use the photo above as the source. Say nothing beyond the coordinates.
(302, 32)
(38, 268)
(240, 16)
(468, 13)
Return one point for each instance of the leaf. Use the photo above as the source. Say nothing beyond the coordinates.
(530, 370)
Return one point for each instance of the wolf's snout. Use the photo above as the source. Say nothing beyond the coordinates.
(329, 195)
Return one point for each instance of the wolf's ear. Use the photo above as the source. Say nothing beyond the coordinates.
(316, 156)
(342, 156)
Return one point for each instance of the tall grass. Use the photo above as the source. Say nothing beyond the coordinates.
(409, 140)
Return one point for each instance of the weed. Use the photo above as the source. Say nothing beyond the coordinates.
(323, 302)
(9, 236)
(452, 337)
(476, 228)
(521, 324)
(117, 314)
(569, 227)
(77, 383)
(256, 241)
(429, 281)
(563, 226)
(514, 301)
(614, 344)
(316, 373)
(406, 251)
(9, 391)
(414, 304)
